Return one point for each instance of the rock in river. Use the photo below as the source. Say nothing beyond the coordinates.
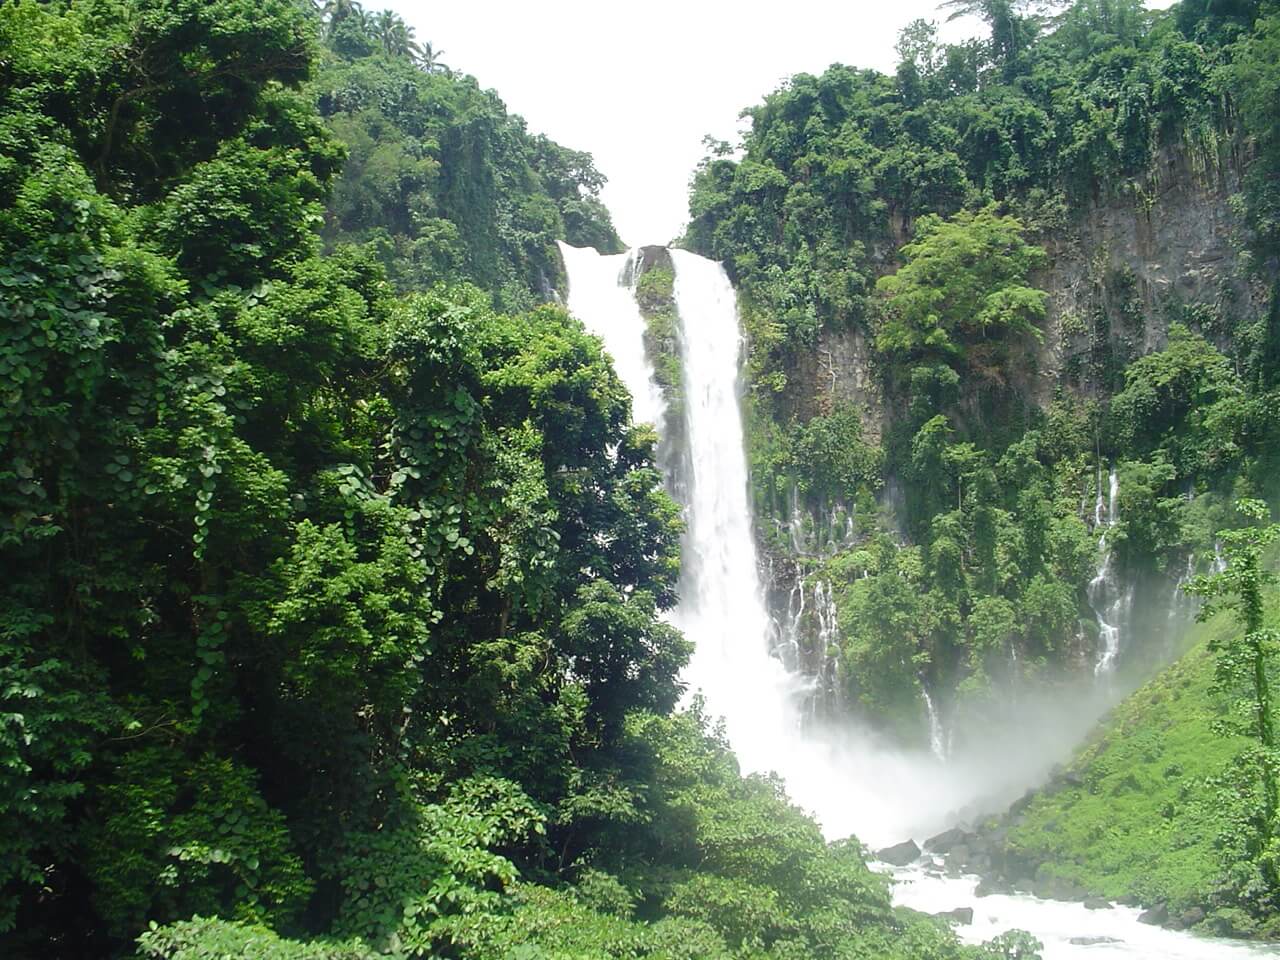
(900, 854)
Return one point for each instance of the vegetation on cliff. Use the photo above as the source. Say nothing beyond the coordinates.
(331, 623)
(911, 225)
(1161, 806)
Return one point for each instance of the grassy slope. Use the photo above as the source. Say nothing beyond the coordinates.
(1139, 823)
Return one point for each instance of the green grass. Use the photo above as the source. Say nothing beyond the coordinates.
(1141, 823)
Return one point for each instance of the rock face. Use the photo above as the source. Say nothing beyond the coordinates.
(1159, 247)
(1170, 237)
(900, 854)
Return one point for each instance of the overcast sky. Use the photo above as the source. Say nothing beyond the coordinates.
(639, 85)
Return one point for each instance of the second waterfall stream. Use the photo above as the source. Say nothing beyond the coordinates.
(851, 782)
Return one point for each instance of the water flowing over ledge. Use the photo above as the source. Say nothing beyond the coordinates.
(849, 779)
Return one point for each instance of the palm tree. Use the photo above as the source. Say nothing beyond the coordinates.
(396, 36)
(429, 59)
(1005, 17)
(335, 11)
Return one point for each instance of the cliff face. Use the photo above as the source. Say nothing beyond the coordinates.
(1163, 249)
(1166, 248)
(1157, 250)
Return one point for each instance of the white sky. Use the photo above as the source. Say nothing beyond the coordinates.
(639, 84)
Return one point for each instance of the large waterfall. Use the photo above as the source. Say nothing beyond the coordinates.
(722, 598)
(851, 782)
(846, 778)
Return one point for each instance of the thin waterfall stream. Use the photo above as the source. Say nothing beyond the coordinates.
(850, 780)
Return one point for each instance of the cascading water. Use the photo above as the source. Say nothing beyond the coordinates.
(850, 784)
(601, 288)
(937, 736)
(849, 781)
(1108, 596)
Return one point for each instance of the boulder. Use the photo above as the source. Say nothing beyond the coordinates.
(1096, 903)
(1156, 915)
(1092, 941)
(900, 854)
(958, 915)
(945, 840)
(989, 886)
(959, 854)
(1190, 918)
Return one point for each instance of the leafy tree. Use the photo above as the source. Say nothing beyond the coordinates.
(1243, 665)
(962, 280)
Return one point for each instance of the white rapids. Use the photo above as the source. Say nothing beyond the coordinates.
(849, 780)
(1114, 933)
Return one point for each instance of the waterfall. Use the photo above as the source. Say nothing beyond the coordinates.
(601, 288)
(1109, 598)
(847, 779)
(722, 604)
(850, 779)
(937, 738)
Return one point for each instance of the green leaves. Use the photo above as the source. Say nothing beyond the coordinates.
(962, 280)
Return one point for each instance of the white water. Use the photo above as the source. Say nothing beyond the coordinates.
(1110, 599)
(601, 288)
(851, 782)
(937, 736)
(1055, 923)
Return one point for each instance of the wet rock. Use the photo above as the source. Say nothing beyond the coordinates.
(959, 855)
(945, 840)
(1092, 941)
(958, 915)
(1096, 903)
(1156, 915)
(1190, 918)
(900, 854)
(990, 886)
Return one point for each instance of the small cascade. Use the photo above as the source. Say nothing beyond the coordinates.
(937, 736)
(1219, 561)
(828, 636)
(816, 532)
(1110, 599)
(806, 636)
(789, 631)
(1181, 601)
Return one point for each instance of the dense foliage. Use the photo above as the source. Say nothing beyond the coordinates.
(1162, 805)
(331, 617)
(896, 239)
(439, 178)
